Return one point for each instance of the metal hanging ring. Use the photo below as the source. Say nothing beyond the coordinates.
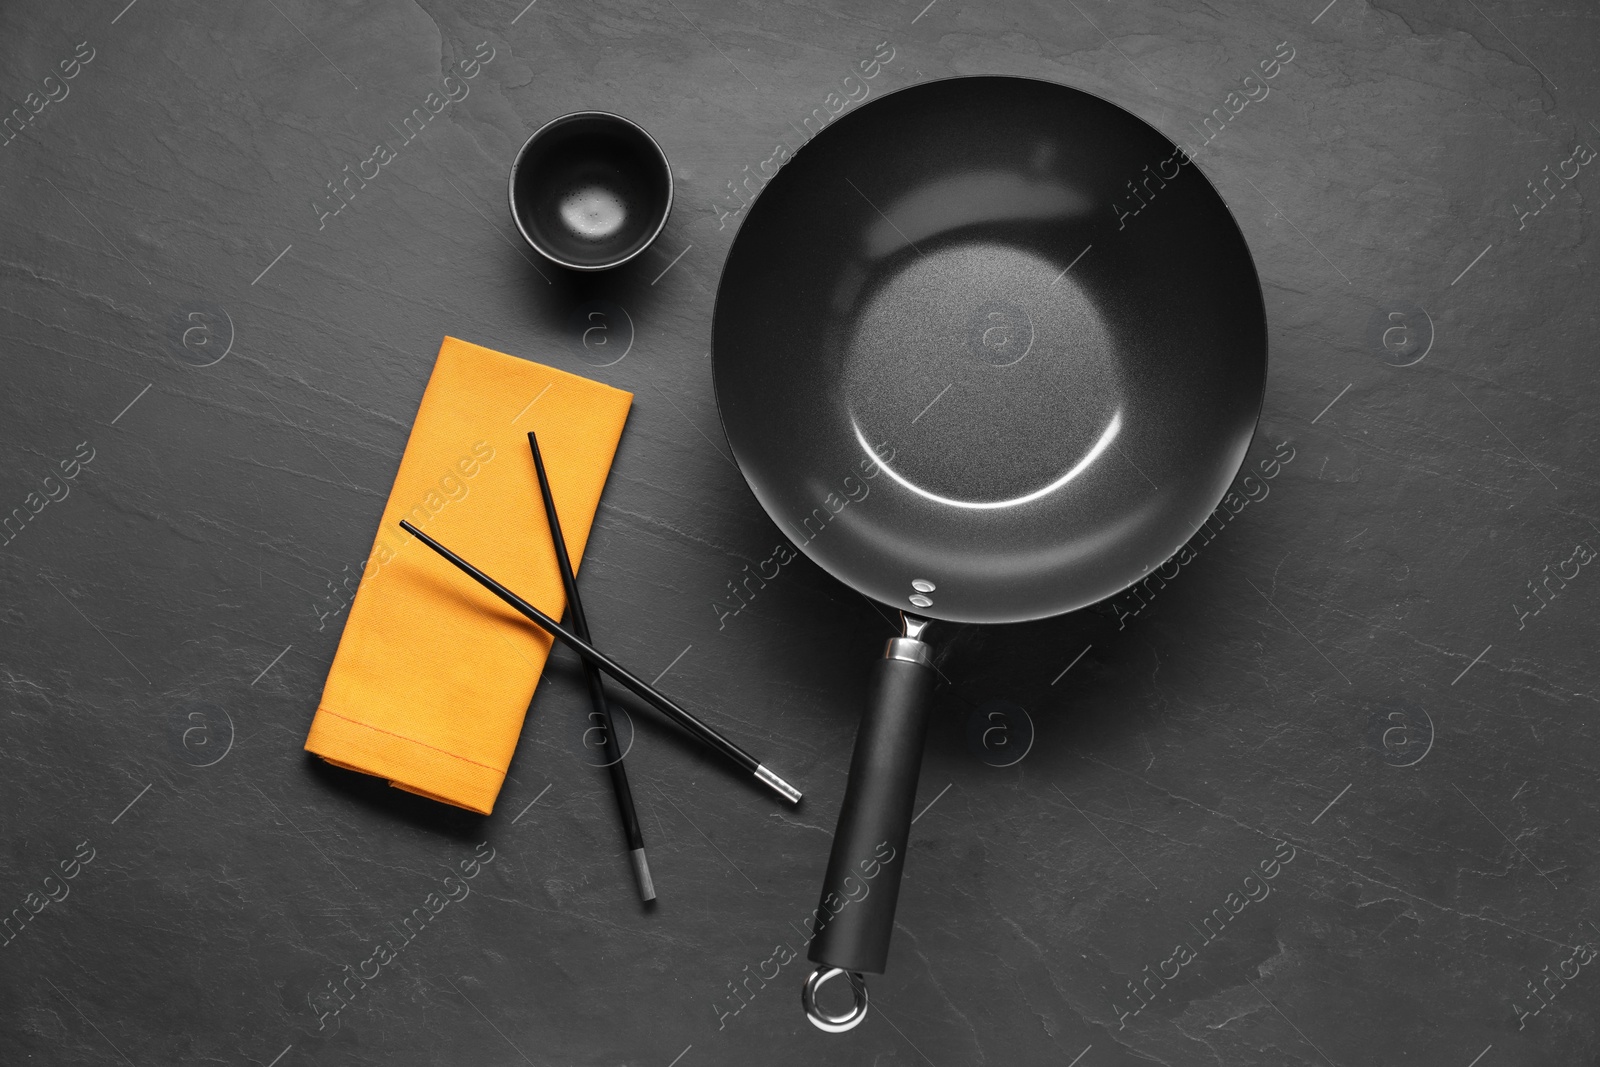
(822, 1020)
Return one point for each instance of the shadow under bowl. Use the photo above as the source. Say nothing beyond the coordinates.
(590, 190)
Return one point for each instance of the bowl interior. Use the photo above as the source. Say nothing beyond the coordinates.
(590, 190)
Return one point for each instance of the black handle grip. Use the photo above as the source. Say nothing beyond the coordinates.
(856, 915)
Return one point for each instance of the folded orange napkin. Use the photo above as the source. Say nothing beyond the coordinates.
(434, 674)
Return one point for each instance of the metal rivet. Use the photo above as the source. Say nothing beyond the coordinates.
(922, 585)
(921, 601)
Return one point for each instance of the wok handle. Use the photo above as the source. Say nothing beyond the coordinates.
(856, 914)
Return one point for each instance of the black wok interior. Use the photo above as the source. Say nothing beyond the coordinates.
(988, 350)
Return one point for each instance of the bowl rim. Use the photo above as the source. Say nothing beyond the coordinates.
(516, 166)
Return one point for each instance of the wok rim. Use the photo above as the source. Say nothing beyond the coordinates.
(1256, 290)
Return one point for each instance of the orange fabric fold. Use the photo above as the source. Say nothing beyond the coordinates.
(434, 674)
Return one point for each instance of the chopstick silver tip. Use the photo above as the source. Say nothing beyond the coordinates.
(641, 870)
(777, 785)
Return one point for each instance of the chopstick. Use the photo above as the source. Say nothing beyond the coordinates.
(597, 690)
(644, 690)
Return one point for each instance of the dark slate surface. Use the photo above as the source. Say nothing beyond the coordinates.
(1351, 674)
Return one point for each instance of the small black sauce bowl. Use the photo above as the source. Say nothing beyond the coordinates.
(590, 190)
